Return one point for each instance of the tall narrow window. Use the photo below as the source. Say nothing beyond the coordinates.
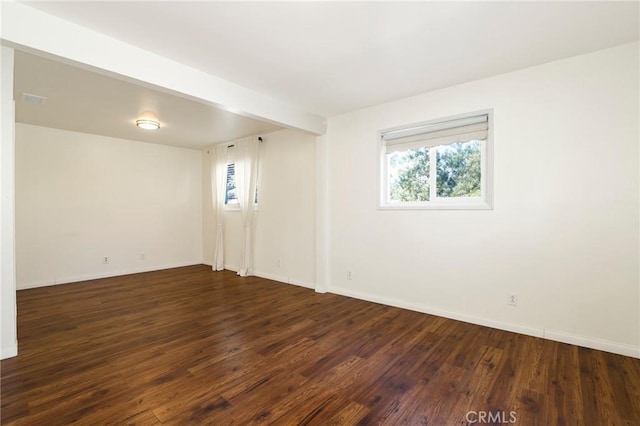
(231, 192)
(438, 164)
(231, 189)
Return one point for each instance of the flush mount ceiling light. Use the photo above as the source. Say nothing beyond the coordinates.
(147, 124)
(148, 121)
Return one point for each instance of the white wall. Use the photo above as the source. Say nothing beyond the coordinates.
(564, 231)
(8, 332)
(285, 220)
(82, 197)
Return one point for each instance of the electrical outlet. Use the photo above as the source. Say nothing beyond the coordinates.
(349, 275)
(142, 256)
(105, 260)
(279, 263)
(513, 299)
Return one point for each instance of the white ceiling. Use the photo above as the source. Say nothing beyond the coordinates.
(84, 101)
(333, 57)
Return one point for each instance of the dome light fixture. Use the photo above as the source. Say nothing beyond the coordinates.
(148, 121)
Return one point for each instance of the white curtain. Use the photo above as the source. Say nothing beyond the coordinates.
(246, 170)
(219, 161)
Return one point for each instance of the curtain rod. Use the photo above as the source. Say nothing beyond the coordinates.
(232, 145)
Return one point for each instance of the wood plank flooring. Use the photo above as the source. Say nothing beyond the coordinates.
(191, 346)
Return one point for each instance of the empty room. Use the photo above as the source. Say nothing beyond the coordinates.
(320, 213)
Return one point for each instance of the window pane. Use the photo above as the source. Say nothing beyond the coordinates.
(458, 173)
(231, 195)
(408, 174)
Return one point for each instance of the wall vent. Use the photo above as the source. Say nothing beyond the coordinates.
(33, 99)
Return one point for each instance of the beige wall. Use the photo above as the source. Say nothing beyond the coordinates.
(564, 233)
(80, 198)
(285, 220)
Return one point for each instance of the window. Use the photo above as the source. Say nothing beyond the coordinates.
(440, 164)
(231, 192)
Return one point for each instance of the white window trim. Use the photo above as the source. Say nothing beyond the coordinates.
(234, 205)
(450, 203)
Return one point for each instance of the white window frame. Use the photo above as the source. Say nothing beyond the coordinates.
(484, 202)
(234, 205)
(230, 204)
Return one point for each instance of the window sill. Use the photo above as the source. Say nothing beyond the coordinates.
(236, 208)
(481, 205)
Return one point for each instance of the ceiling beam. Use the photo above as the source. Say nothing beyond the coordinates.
(34, 31)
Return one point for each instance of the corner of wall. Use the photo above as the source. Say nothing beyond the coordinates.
(8, 323)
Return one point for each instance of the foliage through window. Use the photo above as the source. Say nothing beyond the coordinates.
(231, 193)
(231, 190)
(439, 164)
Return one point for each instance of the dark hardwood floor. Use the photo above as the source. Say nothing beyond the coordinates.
(192, 346)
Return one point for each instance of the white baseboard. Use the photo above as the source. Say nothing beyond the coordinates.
(273, 277)
(593, 343)
(208, 263)
(9, 352)
(234, 268)
(558, 336)
(284, 279)
(300, 283)
(97, 276)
